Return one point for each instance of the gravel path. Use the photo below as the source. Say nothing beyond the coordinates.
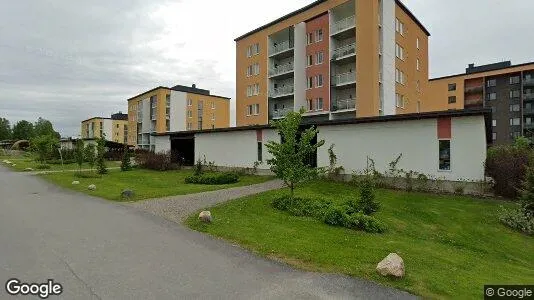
(177, 208)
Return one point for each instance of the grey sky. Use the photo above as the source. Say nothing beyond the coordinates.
(70, 60)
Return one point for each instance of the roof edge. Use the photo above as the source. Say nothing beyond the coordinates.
(467, 74)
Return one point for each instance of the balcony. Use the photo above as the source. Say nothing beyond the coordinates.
(281, 48)
(283, 91)
(343, 25)
(344, 79)
(473, 102)
(343, 105)
(280, 113)
(529, 126)
(528, 97)
(528, 81)
(341, 54)
(279, 71)
(528, 111)
(474, 89)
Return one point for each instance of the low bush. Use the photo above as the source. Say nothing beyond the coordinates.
(155, 161)
(363, 222)
(213, 178)
(336, 216)
(58, 161)
(43, 167)
(519, 219)
(87, 175)
(302, 207)
(367, 203)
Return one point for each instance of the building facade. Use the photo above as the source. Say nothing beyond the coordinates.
(505, 88)
(336, 59)
(113, 129)
(179, 108)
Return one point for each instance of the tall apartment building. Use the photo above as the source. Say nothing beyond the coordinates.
(180, 108)
(114, 129)
(505, 88)
(337, 59)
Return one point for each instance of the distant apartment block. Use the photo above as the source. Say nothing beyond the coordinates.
(180, 108)
(335, 59)
(114, 129)
(505, 88)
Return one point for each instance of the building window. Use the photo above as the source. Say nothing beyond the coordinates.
(189, 113)
(494, 136)
(515, 93)
(260, 152)
(318, 35)
(493, 109)
(310, 60)
(253, 90)
(514, 80)
(417, 43)
(168, 125)
(319, 104)
(452, 87)
(310, 104)
(399, 100)
(494, 123)
(213, 117)
(319, 58)
(253, 109)
(249, 71)
(452, 99)
(492, 96)
(444, 155)
(256, 69)
(492, 82)
(309, 38)
(400, 77)
(417, 64)
(256, 88)
(212, 105)
(310, 83)
(399, 52)
(319, 80)
(514, 135)
(399, 27)
(189, 102)
(515, 107)
(212, 126)
(253, 50)
(515, 121)
(418, 86)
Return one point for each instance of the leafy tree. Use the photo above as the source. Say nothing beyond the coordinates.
(90, 155)
(44, 146)
(79, 153)
(527, 193)
(5, 129)
(44, 127)
(100, 152)
(23, 130)
(289, 157)
(126, 164)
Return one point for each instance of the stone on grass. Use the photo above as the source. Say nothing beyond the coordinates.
(205, 217)
(75, 182)
(7, 162)
(127, 194)
(14, 165)
(392, 265)
(28, 169)
(92, 187)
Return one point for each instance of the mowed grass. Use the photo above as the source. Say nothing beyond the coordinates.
(21, 164)
(145, 183)
(451, 245)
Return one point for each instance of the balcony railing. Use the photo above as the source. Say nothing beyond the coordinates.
(279, 47)
(281, 69)
(473, 102)
(344, 78)
(529, 126)
(344, 51)
(280, 113)
(474, 89)
(529, 81)
(282, 91)
(529, 96)
(528, 111)
(343, 24)
(344, 104)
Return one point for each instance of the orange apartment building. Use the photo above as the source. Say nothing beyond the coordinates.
(180, 108)
(335, 59)
(505, 88)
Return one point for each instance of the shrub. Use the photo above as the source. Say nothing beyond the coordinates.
(155, 161)
(302, 207)
(199, 168)
(507, 166)
(87, 175)
(519, 219)
(126, 162)
(367, 203)
(213, 178)
(363, 222)
(336, 216)
(58, 161)
(42, 167)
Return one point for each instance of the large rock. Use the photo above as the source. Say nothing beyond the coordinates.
(92, 187)
(7, 162)
(75, 182)
(392, 265)
(205, 217)
(28, 169)
(127, 194)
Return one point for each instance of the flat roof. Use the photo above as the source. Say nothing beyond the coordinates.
(96, 118)
(312, 5)
(483, 71)
(178, 88)
(392, 118)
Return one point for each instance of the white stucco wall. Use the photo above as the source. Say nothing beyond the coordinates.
(108, 129)
(388, 56)
(178, 111)
(163, 143)
(300, 66)
(415, 139)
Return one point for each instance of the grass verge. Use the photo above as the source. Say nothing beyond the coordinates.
(21, 164)
(451, 245)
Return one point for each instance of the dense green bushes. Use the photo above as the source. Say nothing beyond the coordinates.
(522, 217)
(155, 161)
(213, 178)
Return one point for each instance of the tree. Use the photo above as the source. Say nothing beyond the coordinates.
(90, 155)
(5, 129)
(126, 164)
(527, 193)
(79, 153)
(100, 152)
(43, 146)
(289, 156)
(44, 127)
(23, 130)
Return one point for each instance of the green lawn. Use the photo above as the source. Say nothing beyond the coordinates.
(23, 163)
(145, 183)
(451, 245)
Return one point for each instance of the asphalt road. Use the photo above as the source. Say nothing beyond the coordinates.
(102, 250)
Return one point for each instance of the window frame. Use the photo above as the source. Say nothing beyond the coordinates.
(452, 97)
(451, 87)
(440, 169)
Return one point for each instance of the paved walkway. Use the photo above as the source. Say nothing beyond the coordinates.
(178, 208)
(99, 249)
